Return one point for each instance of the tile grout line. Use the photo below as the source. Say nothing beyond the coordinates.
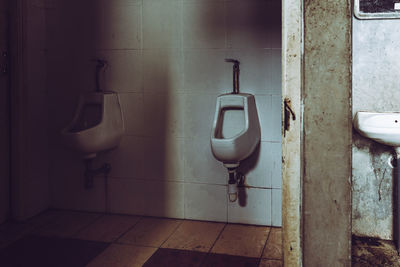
(265, 245)
(219, 235)
(75, 235)
(215, 241)
(129, 229)
(173, 232)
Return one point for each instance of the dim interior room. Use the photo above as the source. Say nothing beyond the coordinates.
(165, 59)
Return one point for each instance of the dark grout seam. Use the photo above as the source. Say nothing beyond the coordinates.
(86, 226)
(115, 241)
(212, 246)
(265, 245)
(173, 232)
(219, 235)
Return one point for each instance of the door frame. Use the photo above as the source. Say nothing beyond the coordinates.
(19, 101)
(5, 112)
(292, 169)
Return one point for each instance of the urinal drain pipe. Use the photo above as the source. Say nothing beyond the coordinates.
(232, 185)
(90, 173)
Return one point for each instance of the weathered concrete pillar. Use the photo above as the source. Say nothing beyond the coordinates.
(327, 133)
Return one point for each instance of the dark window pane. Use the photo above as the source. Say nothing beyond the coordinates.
(377, 6)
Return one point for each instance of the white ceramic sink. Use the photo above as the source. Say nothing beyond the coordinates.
(382, 127)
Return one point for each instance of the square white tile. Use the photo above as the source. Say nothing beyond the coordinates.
(120, 26)
(254, 66)
(264, 109)
(200, 164)
(163, 158)
(273, 71)
(204, 24)
(133, 112)
(163, 71)
(277, 207)
(255, 169)
(82, 71)
(274, 28)
(253, 206)
(68, 184)
(205, 202)
(82, 31)
(162, 24)
(199, 115)
(164, 115)
(123, 72)
(85, 200)
(247, 22)
(275, 119)
(141, 197)
(127, 159)
(270, 116)
(274, 164)
(207, 72)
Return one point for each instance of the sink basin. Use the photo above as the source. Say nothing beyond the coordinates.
(382, 127)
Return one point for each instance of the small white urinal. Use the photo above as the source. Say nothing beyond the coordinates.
(236, 129)
(97, 124)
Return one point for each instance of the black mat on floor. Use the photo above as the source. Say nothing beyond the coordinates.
(43, 251)
(183, 258)
(174, 257)
(222, 260)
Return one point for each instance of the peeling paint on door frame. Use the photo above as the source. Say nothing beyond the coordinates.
(292, 38)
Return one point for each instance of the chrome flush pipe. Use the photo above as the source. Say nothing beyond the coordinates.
(236, 72)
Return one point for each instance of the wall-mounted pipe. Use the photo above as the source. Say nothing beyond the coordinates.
(236, 72)
(90, 173)
(100, 64)
(235, 179)
(232, 185)
(396, 230)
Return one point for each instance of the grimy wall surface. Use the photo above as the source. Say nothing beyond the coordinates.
(376, 64)
(327, 133)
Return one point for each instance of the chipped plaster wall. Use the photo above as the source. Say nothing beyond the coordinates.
(327, 133)
(376, 87)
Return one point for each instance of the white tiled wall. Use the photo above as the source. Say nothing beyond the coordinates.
(166, 59)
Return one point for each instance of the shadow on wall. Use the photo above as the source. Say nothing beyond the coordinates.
(246, 26)
(148, 49)
(244, 168)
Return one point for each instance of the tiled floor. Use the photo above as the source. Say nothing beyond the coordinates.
(67, 238)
